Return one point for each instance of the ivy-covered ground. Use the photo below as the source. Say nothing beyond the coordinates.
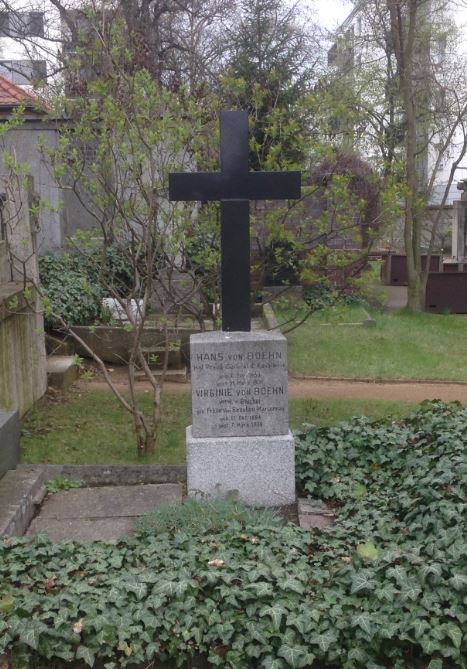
(385, 587)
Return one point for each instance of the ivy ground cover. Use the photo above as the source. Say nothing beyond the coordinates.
(385, 587)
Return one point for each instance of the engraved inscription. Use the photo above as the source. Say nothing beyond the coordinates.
(240, 389)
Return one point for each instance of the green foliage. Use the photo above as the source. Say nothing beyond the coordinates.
(58, 484)
(204, 515)
(75, 283)
(384, 587)
(399, 488)
(69, 291)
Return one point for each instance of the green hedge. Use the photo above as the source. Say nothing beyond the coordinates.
(386, 586)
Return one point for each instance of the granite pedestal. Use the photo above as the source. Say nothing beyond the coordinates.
(240, 439)
(9, 441)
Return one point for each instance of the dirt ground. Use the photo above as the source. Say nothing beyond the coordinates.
(323, 387)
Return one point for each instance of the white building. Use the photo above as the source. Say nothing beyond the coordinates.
(30, 36)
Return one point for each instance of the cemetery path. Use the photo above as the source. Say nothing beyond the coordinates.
(403, 391)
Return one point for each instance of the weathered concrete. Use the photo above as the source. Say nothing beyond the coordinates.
(62, 371)
(112, 344)
(22, 344)
(239, 384)
(106, 513)
(5, 272)
(20, 492)
(9, 441)
(23, 377)
(259, 470)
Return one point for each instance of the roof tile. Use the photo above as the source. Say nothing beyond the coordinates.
(12, 95)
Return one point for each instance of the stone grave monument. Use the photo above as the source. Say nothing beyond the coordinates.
(240, 440)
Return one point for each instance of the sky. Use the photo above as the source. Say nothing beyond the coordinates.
(331, 13)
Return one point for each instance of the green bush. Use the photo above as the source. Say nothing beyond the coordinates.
(70, 292)
(384, 588)
(75, 283)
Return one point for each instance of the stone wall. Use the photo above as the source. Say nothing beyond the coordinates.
(23, 378)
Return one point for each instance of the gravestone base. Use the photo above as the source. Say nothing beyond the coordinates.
(258, 470)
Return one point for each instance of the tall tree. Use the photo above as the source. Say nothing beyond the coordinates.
(271, 64)
(407, 110)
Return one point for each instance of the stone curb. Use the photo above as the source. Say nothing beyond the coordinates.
(102, 475)
(21, 491)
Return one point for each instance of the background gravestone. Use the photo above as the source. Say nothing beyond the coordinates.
(9, 441)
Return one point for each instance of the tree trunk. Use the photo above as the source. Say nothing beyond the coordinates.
(404, 17)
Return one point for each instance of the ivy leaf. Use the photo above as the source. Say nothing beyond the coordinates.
(261, 589)
(386, 593)
(368, 551)
(139, 589)
(410, 590)
(85, 653)
(276, 614)
(7, 604)
(272, 663)
(420, 626)
(362, 581)
(291, 584)
(363, 621)
(458, 581)
(324, 640)
(295, 657)
(358, 491)
(455, 634)
(436, 663)
(428, 569)
(173, 588)
(30, 636)
(398, 574)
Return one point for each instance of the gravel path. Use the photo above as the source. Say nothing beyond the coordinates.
(333, 388)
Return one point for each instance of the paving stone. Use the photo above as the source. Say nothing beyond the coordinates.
(82, 529)
(109, 501)
(106, 513)
(314, 514)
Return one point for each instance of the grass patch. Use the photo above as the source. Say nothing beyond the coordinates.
(403, 345)
(91, 427)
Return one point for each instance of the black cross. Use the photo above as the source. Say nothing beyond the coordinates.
(234, 186)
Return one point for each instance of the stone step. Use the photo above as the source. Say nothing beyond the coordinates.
(61, 371)
(21, 491)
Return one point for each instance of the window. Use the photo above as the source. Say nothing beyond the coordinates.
(22, 72)
(21, 24)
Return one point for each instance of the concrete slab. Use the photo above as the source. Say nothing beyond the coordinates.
(61, 371)
(84, 530)
(107, 513)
